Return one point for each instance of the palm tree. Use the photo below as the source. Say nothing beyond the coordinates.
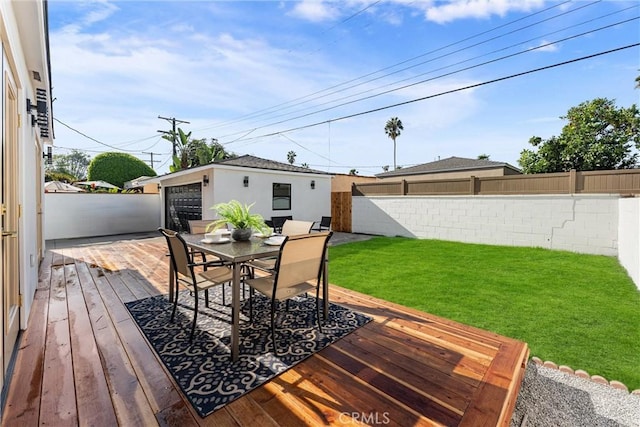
(291, 157)
(393, 129)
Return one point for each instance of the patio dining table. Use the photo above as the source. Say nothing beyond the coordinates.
(236, 253)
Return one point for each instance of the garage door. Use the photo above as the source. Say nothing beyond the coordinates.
(183, 202)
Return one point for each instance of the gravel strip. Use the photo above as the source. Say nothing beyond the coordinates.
(549, 397)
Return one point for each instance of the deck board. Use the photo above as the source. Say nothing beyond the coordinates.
(83, 360)
(58, 401)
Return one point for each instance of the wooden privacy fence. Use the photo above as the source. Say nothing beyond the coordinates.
(341, 211)
(625, 181)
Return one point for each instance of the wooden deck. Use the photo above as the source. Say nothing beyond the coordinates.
(83, 361)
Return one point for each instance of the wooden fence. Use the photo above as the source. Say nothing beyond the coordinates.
(626, 181)
(341, 211)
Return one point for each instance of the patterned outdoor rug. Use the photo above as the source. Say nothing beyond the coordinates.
(203, 368)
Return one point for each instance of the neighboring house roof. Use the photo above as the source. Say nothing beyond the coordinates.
(249, 161)
(450, 164)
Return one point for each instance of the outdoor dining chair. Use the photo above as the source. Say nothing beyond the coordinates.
(199, 226)
(300, 261)
(278, 222)
(289, 228)
(324, 224)
(185, 275)
(293, 227)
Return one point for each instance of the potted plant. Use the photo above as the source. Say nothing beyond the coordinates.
(238, 215)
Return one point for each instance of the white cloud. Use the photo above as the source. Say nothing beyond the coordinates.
(104, 10)
(455, 9)
(545, 46)
(315, 10)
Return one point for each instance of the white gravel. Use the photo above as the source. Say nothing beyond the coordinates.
(549, 397)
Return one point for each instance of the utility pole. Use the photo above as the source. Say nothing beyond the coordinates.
(152, 161)
(173, 122)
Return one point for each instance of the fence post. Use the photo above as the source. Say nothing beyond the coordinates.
(573, 182)
(404, 187)
(472, 184)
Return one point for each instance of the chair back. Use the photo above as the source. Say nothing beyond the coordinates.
(300, 260)
(325, 222)
(293, 227)
(179, 252)
(278, 222)
(198, 226)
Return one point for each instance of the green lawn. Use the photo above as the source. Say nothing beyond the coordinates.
(577, 310)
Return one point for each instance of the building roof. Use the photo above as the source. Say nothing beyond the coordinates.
(450, 164)
(246, 161)
(249, 161)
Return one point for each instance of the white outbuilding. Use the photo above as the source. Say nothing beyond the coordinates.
(275, 189)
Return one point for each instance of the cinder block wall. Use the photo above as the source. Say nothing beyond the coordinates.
(629, 240)
(579, 223)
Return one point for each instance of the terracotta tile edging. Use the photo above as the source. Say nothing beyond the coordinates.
(584, 374)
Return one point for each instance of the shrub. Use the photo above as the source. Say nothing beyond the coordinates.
(117, 168)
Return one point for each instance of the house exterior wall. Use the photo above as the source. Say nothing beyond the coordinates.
(71, 215)
(226, 183)
(580, 223)
(22, 32)
(306, 203)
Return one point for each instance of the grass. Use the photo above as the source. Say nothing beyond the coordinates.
(577, 310)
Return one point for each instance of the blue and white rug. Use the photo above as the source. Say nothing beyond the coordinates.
(203, 368)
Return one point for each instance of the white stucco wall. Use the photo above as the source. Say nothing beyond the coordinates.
(580, 223)
(23, 45)
(70, 215)
(306, 204)
(629, 237)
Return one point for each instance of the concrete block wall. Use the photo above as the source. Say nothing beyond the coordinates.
(629, 240)
(579, 223)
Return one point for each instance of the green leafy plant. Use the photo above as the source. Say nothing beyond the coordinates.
(117, 168)
(238, 215)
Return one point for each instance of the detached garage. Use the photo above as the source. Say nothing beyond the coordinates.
(277, 189)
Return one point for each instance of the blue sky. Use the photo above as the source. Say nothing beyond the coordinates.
(321, 78)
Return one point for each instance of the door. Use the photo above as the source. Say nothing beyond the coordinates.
(10, 209)
(183, 203)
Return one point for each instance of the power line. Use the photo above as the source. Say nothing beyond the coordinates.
(399, 104)
(441, 68)
(102, 143)
(277, 107)
(395, 89)
(91, 138)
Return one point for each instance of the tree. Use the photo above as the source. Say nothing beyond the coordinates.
(353, 172)
(393, 129)
(117, 168)
(598, 136)
(74, 164)
(483, 156)
(291, 157)
(200, 153)
(181, 159)
(59, 176)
